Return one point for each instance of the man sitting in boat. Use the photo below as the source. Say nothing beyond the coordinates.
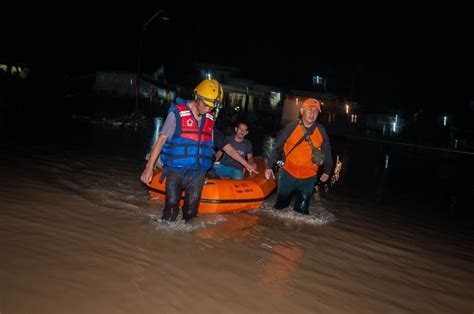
(229, 167)
(186, 148)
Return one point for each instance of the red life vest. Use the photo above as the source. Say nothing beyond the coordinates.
(189, 128)
(191, 146)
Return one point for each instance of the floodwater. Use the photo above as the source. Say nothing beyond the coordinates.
(79, 234)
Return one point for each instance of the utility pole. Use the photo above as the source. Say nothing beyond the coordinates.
(163, 17)
(352, 85)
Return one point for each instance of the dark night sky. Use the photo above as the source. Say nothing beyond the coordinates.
(398, 52)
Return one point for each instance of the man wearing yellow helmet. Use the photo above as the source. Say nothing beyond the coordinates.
(210, 92)
(186, 146)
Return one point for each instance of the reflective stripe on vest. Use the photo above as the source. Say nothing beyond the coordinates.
(189, 125)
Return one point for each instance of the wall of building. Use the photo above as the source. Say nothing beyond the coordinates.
(114, 83)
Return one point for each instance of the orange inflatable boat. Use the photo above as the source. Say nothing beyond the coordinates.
(226, 195)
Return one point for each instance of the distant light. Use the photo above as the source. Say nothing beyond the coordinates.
(208, 75)
(353, 118)
(445, 120)
(386, 161)
(394, 127)
(318, 80)
(347, 109)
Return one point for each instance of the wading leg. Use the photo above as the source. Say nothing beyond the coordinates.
(193, 187)
(285, 190)
(304, 189)
(302, 202)
(174, 187)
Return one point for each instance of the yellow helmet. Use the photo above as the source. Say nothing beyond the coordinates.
(210, 91)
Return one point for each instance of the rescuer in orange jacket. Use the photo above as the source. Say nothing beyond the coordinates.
(304, 146)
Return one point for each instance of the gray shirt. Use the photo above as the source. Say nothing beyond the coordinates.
(169, 126)
(244, 148)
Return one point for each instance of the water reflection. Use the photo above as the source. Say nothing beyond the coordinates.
(278, 260)
(279, 266)
(76, 223)
(238, 227)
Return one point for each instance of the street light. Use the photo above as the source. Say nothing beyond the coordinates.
(162, 15)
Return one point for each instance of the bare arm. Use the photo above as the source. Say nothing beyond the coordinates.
(219, 154)
(229, 150)
(324, 177)
(147, 174)
(250, 160)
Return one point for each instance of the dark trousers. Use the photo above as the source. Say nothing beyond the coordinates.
(177, 182)
(301, 189)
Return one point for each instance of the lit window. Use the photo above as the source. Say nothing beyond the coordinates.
(318, 80)
(353, 118)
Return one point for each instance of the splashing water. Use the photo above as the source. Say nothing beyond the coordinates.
(158, 124)
(268, 145)
(156, 133)
(200, 223)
